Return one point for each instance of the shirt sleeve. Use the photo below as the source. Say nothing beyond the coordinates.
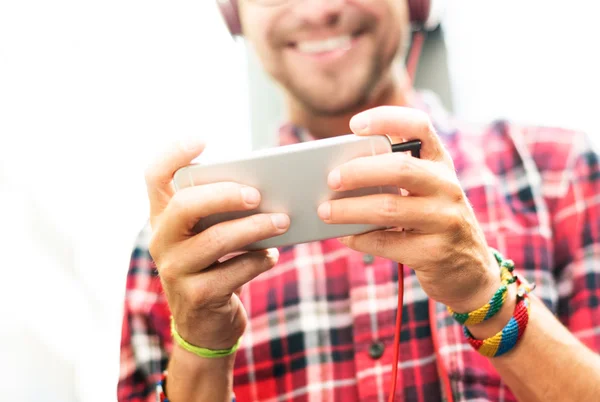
(575, 214)
(145, 338)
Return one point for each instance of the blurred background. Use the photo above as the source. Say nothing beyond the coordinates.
(90, 92)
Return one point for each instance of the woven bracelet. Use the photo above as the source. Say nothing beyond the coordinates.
(505, 340)
(492, 307)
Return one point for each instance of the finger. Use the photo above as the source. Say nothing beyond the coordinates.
(401, 123)
(228, 277)
(418, 176)
(424, 215)
(190, 204)
(408, 247)
(226, 237)
(231, 255)
(160, 173)
(427, 255)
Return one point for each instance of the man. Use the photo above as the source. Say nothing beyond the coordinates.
(318, 318)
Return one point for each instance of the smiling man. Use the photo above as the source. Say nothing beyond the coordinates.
(315, 322)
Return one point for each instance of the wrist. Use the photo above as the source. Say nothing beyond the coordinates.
(488, 283)
(191, 377)
(201, 365)
(203, 351)
(495, 324)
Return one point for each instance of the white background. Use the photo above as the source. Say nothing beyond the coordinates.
(91, 91)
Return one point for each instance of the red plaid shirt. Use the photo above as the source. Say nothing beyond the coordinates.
(322, 322)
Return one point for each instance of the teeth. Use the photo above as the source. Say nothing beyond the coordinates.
(327, 45)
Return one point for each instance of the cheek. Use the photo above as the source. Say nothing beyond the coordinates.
(392, 24)
(255, 25)
(258, 32)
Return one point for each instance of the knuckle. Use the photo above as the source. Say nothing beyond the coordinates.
(201, 294)
(430, 211)
(154, 246)
(179, 201)
(167, 270)
(338, 210)
(216, 239)
(253, 263)
(454, 221)
(351, 242)
(348, 171)
(380, 243)
(259, 222)
(155, 176)
(455, 193)
(423, 121)
(226, 190)
(260, 225)
(153, 222)
(245, 262)
(227, 194)
(389, 205)
(403, 166)
(150, 174)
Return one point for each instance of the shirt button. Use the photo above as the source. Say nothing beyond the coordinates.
(368, 259)
(376, 350)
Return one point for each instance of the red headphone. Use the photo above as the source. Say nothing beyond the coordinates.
(422, 14)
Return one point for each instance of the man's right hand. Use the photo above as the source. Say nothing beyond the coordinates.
(201, 291)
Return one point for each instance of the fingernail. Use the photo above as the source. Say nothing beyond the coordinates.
(191, 144)
(360, 123)
(273, 254)
(335, 179)
(281, 221)
(324, 211)
(250, 195)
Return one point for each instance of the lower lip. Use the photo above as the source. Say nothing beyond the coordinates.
(331, 54)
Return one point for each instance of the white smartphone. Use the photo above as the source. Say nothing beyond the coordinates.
(292, 179)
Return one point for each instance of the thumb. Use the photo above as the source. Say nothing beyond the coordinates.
(160, 173)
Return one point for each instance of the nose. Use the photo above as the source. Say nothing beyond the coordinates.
(319, 12)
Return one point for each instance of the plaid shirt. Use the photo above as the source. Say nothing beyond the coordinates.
(322, 322)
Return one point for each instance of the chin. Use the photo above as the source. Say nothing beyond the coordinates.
(346, 91)
(327, 96)
(334, 107)
(339, 100)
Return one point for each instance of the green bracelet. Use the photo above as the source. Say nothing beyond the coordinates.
(202, 352)
(496, 302)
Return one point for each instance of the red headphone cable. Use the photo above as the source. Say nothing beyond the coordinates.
(414, 54)
(397, 332)
(443, 373)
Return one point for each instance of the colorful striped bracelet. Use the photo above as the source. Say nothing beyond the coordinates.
(492, 307)
(160, 388)
(505, 340)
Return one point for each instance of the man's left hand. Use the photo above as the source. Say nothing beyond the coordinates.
(442, 240)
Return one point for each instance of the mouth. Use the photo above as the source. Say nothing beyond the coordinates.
(332, 45)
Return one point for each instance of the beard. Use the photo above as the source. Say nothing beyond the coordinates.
(339, 95)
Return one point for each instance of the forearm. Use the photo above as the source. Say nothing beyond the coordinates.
(195, 379)
(548, 363)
